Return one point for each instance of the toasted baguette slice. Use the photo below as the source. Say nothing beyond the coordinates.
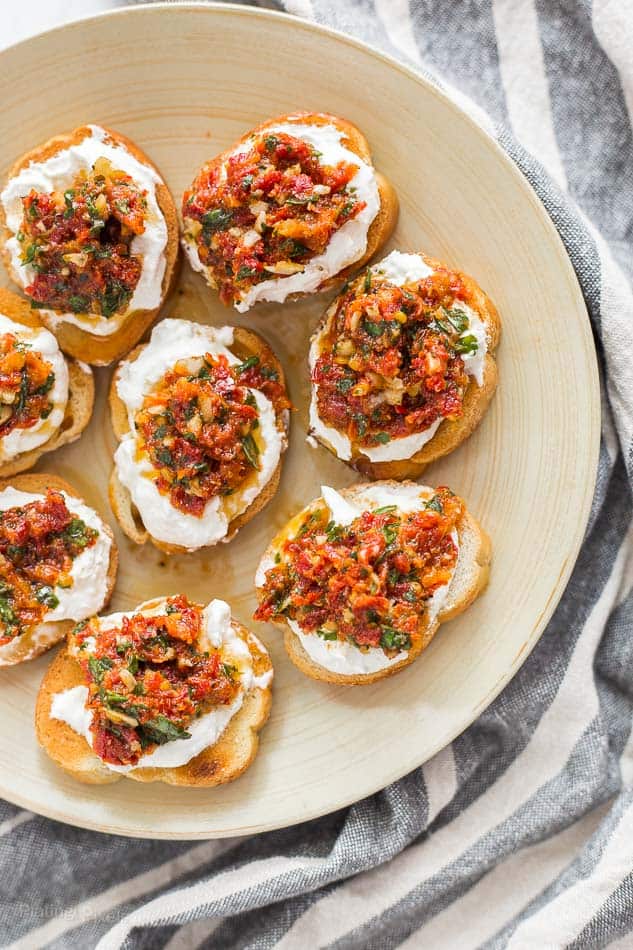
(223, 762)
(451, 432)
(245, 343)
(77, 341)
(468, 581)
(81, 393)
(42, 637)
(381, 227)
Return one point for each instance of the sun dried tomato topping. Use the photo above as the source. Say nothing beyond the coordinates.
(148, 679)
(38, 544)
(391, 360)
(79, 242)
(366, 583)
(199, 425)
(266, 211)
(26, 380)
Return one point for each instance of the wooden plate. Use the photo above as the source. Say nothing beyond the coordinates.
(184, 82)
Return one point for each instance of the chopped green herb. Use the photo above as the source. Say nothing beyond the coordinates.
(390, 532)
(79, 533)
(78, 303)
(457, 318)
(245, 272)
(45, 595)
(164, 456)
(327, 634)
(382, 437)
(98, 666)
(46, 386)
(7, 615)
(344, 385)
(333, 531)
(466, 344)
(393, 639)
(161, 730)
(434, 504)
(247, 364)
(251, 451)
(218, 219)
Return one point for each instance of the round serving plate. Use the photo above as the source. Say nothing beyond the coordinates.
(184, 82)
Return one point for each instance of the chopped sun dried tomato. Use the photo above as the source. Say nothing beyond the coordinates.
(38, 543)
(266, 211)
(79, 242)
(148, 680)
(26, 380)
(199, 427)
(367, 583)
(391, 359)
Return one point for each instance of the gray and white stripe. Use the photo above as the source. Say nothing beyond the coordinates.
(518, 835)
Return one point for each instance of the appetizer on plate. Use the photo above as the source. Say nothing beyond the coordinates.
(58, 563)
(362, 578)
(45, 400)
(202, 415)
(403, 366)
(171, 691)
(89, 231)
(295, 204)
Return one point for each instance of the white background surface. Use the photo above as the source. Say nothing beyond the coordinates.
(21, 19)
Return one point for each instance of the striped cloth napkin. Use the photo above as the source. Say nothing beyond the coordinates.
(520, 834)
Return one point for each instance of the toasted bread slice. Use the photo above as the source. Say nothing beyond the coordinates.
(381, 228)
(246, 343)
(81, 393)
(468, 581)
(220, 763)
(77, 341)
(42, 637)
(451, 432)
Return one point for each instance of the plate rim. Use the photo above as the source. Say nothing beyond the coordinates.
(593, 379)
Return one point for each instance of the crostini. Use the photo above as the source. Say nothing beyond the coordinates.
(361, 579)
(171, 691)
(58, 564)
(45, 400)
(89, 231)
(287, 210)
(202, 417)
(403, 366)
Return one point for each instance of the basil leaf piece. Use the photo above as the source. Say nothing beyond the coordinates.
(393, 639)
(458, 319)
(218, 219)
(327, 634)
(466, 344)
(98, 666)
(251, 450)
(161, 730)
(45, 595)
(247, 364)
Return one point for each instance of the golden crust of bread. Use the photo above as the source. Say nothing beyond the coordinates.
(245, 343)
(81, 393)
(223, 762)
(77, 342)
(470, 579)
(42, 637)
(381, 228)
(450, 433)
